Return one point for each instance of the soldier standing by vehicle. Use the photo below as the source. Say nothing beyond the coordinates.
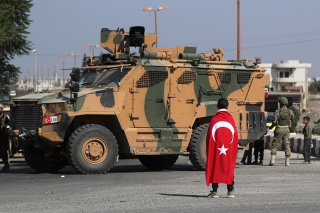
(4, 139)
(282, 120)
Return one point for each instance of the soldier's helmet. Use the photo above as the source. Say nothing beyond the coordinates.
(283, 101)
(1, 106)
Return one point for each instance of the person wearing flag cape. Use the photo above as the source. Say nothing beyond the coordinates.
(221, 147)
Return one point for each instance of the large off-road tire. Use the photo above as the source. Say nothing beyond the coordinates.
(92, 149)
(158, 162)
(197, 147)
(37, 160)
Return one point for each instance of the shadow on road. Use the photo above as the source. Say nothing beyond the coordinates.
(141, 168)
(21, 167)
(183, 195)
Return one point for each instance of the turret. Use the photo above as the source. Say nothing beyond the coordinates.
(118, 42)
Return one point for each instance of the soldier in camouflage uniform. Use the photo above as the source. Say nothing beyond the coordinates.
(282, 120)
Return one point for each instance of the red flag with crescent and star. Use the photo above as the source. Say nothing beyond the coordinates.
(222, 148)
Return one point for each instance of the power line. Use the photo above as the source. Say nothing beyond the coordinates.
(259, 38)
(279, 44)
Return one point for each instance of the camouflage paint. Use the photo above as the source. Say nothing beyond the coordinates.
(104, 36)
(117, 39)
(155, 102)
(190, 50)
(202, 83)
(151, 109)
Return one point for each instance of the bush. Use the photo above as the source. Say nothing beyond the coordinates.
(314, 86)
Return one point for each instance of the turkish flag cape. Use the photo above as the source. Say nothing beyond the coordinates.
(222, 148)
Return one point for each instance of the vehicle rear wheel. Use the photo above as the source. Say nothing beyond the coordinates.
(39, 161)
(197, 147)
(92, 149)
(158, 162)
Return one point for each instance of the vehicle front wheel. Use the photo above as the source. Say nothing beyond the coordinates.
(92, 149)
(197, 147)
(39, 161)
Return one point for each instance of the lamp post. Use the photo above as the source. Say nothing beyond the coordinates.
(63, 61)
(92, 47)
(155, 11)
(238, 30)
(35, 71)
(75, 58)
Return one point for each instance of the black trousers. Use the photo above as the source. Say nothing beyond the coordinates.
(4, 148)
(215, 187)
(306, 149)
(258, 150)
(247, 154)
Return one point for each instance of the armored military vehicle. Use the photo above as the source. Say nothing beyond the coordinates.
(154, 104)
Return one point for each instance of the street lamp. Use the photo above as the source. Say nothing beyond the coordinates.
(155, 11)
(238, 30)
(35, 71)
(75, 58)
(92, 47)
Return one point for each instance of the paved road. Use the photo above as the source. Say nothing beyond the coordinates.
(132, 188)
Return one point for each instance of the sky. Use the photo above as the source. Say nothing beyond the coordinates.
(274, 30)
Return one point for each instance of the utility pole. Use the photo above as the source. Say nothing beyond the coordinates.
(75, 57)
(63, 73)
(48, 75)
(35, 71)
(238, 30)
(41, 79)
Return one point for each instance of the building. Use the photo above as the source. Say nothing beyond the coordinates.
(42, 85)
(289, 79)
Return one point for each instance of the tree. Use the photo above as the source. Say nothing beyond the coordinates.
(14, 22)
(314, 86)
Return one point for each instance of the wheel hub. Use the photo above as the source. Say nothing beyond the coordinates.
(94, 150)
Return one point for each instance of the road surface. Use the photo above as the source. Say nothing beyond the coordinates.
(132, 188)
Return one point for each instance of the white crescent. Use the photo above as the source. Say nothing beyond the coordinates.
(220, 124)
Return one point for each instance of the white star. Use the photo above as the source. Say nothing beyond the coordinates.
(223, 150)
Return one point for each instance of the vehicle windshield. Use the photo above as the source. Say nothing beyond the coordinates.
(87, 78)
(112, 78)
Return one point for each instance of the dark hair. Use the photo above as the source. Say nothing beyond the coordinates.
(306, 118)
(222, 103)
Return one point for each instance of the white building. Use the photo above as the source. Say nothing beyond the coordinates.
(289, 79)
(44, 84)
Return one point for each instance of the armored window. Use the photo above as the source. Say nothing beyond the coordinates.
(151, 78)
(187, 77)
(87, 78)
(243, 78)
(111, 78)
(225, 77)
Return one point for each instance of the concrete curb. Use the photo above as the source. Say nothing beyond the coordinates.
(296, 144)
